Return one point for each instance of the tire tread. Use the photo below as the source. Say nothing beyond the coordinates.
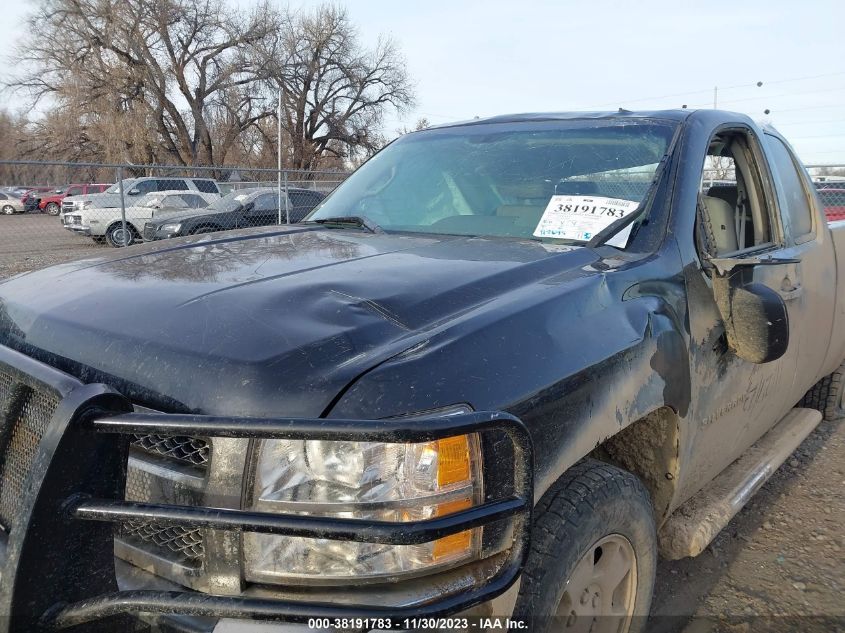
(564, 508)
(825, 396)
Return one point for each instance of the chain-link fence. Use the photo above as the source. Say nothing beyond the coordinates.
(51, 212)
(830, 184)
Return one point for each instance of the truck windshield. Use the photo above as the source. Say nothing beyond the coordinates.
(514, 179)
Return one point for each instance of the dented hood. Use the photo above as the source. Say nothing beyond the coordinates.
(263, 322)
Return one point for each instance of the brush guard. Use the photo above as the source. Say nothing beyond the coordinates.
(57, 551)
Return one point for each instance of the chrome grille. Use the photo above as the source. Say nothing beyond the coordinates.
(181, 448)
(182, 544)
(24, 416)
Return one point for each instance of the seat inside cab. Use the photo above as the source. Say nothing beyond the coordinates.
(731, 196)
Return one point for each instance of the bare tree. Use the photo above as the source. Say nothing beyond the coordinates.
(421, 124)
(195, 82)
(171, 64)
(335, 92)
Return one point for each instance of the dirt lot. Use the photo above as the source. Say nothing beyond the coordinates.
(778, 566)
(35, 240)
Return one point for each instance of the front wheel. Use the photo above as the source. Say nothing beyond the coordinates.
(8, 209)
(593, 554)
(116, 236)
(53, 209)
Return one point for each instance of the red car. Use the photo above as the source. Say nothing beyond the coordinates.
(834, 203)
(53, 204)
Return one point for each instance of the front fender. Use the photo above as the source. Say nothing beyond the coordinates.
(576, 368)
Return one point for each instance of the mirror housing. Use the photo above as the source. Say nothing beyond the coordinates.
(755, 316)
(133, 192)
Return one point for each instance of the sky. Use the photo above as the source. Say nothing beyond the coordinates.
(472, 59)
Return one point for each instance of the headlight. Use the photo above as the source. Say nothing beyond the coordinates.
(366, 480)
(171, 228)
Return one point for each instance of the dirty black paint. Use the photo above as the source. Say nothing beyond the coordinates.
(309, 321)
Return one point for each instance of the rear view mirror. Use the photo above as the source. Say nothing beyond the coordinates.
(755, 316)
(134, 192)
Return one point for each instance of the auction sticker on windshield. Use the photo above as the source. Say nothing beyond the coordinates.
(580, 218)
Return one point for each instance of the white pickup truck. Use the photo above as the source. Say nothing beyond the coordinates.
(106, 224)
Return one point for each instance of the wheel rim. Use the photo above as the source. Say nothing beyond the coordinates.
(600, 593)
(53, 208)
(8, 209)
(121, 237)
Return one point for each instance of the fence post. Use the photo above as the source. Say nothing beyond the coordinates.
(122, 206)
(287, 208)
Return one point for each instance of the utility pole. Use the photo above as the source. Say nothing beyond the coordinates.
(715, 96)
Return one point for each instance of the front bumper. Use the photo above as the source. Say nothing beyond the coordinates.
(57, 531)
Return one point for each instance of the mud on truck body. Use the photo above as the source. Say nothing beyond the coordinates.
(493, 373)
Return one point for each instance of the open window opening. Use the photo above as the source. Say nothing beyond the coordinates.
(733, 215)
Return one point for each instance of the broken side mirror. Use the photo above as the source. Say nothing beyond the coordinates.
(755, 316)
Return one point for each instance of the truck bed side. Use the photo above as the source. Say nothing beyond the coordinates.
(836, 351)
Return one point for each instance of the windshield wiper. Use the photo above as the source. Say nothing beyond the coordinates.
(615, 227)
(357, 221)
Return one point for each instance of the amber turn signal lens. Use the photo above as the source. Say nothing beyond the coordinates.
(457, 544)
(453, 461)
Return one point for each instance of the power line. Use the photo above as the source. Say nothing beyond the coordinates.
(814, 107)
(783, 94)
(707, 90)
(787, 123)
(797, 138)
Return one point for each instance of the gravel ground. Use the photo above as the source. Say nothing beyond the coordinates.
(35, 240)
(778, 566)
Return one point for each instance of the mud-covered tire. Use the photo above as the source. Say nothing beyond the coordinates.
(591, 502)
(827, 395)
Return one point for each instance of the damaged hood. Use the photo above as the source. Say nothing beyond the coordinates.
(267, 322)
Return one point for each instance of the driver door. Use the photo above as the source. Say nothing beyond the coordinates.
(738, 227)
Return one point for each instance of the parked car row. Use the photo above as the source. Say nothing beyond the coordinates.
(178, 212)
(106, 223)
(44, 199)
(158, 208)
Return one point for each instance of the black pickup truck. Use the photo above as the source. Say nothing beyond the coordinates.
(497, 371)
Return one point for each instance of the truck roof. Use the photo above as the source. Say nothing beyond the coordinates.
(678, 114)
